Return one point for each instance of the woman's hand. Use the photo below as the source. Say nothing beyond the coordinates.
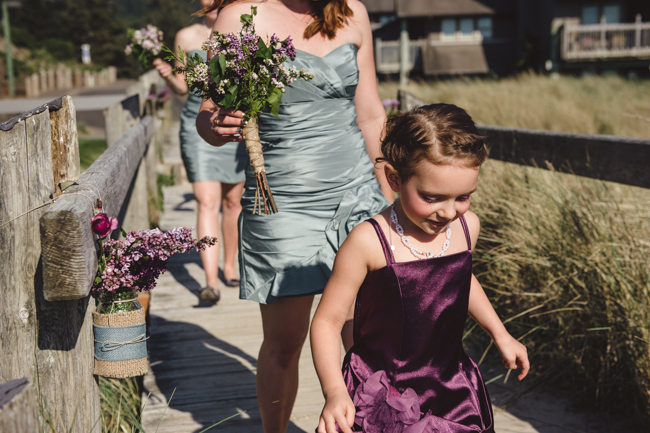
(227, 125)
(514, 354)
(338, 413)
(163, 68)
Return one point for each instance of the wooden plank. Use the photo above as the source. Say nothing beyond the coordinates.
(616, 159)
(65, 144)
(17, 311)
(69, 251)
(18, 407)
(605, 157)
(120, 117)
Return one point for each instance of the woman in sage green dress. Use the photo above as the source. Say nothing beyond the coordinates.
(216, 175)
(318, 164)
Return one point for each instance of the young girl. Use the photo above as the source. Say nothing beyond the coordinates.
(410, 270)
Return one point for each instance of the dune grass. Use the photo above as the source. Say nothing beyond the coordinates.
(564, 259)
(589, 105)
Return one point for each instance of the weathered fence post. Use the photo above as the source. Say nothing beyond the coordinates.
(51, 339)
(18, 407)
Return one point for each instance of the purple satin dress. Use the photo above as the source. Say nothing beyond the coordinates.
(407, 371)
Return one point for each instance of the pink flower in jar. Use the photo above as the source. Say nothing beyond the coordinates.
(102, 225)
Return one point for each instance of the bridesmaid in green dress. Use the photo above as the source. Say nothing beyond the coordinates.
(217, 175)
(318, 161)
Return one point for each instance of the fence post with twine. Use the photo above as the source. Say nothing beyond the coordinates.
(48, 256)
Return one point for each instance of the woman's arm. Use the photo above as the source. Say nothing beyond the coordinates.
(371, 115)
(349, 271)
(514, 353)
(215, 125)
(176, 82)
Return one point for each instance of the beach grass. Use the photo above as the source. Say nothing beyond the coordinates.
(591, 105)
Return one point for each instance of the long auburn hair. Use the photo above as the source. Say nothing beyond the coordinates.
(329, 16)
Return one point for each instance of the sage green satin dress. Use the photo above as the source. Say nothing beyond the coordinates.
(321, 177)
(204, 162)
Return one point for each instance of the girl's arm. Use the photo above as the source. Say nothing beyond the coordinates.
(513, 352)
(371, 115)
(176, 82)
(350, 268)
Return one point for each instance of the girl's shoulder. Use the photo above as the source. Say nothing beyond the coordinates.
(364, 242)
(191, 37)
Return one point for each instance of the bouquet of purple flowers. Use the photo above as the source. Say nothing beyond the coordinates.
(134, 263)
(146, 44)
(244, 73)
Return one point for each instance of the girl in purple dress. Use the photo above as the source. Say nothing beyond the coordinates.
(410, 270)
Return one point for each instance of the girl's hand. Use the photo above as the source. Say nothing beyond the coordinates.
(338, 413)
(163, 68)
(514, 354)
(227, 124)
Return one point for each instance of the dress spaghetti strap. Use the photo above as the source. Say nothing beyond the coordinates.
(388, 253)
(466, 230)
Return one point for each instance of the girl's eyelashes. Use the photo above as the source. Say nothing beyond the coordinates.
(430, 199)
(436, 199)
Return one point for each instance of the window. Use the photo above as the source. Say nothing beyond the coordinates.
(593, 14)
(449, 28)
(485, 27)
(612, 13)
(590, 14)
(467, 28)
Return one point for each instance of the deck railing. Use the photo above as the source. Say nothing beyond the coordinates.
(606, 41)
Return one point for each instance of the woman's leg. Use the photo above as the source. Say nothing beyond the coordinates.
(208, 197)
(229, 231)
(285, 324)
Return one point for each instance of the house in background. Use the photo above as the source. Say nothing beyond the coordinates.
(445, 37)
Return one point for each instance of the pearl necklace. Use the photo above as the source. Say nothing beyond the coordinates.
(407, 243)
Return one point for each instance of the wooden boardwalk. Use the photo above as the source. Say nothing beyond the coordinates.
(207, 355)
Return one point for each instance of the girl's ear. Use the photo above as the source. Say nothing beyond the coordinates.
(393, 178)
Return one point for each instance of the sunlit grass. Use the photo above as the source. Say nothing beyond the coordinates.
(589, 105)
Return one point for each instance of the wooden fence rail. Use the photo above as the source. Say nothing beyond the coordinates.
(616, 159)
(18, 407)
(47, 252)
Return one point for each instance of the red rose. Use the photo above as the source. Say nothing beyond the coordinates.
(102, 225)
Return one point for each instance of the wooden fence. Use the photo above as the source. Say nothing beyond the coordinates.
(47, 253)
(63, 78)
(616, 159)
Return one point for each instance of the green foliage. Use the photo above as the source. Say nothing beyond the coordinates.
(89, 150)
(120, 405)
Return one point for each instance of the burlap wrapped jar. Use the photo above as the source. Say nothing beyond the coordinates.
(120, 343)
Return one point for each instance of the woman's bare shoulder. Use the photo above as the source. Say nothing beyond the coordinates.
(228, 19)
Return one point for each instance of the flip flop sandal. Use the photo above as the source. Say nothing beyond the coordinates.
(232, 283)
(209, 294)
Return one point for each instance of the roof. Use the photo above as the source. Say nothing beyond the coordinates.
(428, 8)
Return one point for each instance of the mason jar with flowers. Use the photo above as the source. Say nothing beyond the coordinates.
(125, 267)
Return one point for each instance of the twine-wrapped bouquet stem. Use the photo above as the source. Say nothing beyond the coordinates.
(263, 194)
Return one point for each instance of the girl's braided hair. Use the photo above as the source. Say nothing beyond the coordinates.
(444, 134)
